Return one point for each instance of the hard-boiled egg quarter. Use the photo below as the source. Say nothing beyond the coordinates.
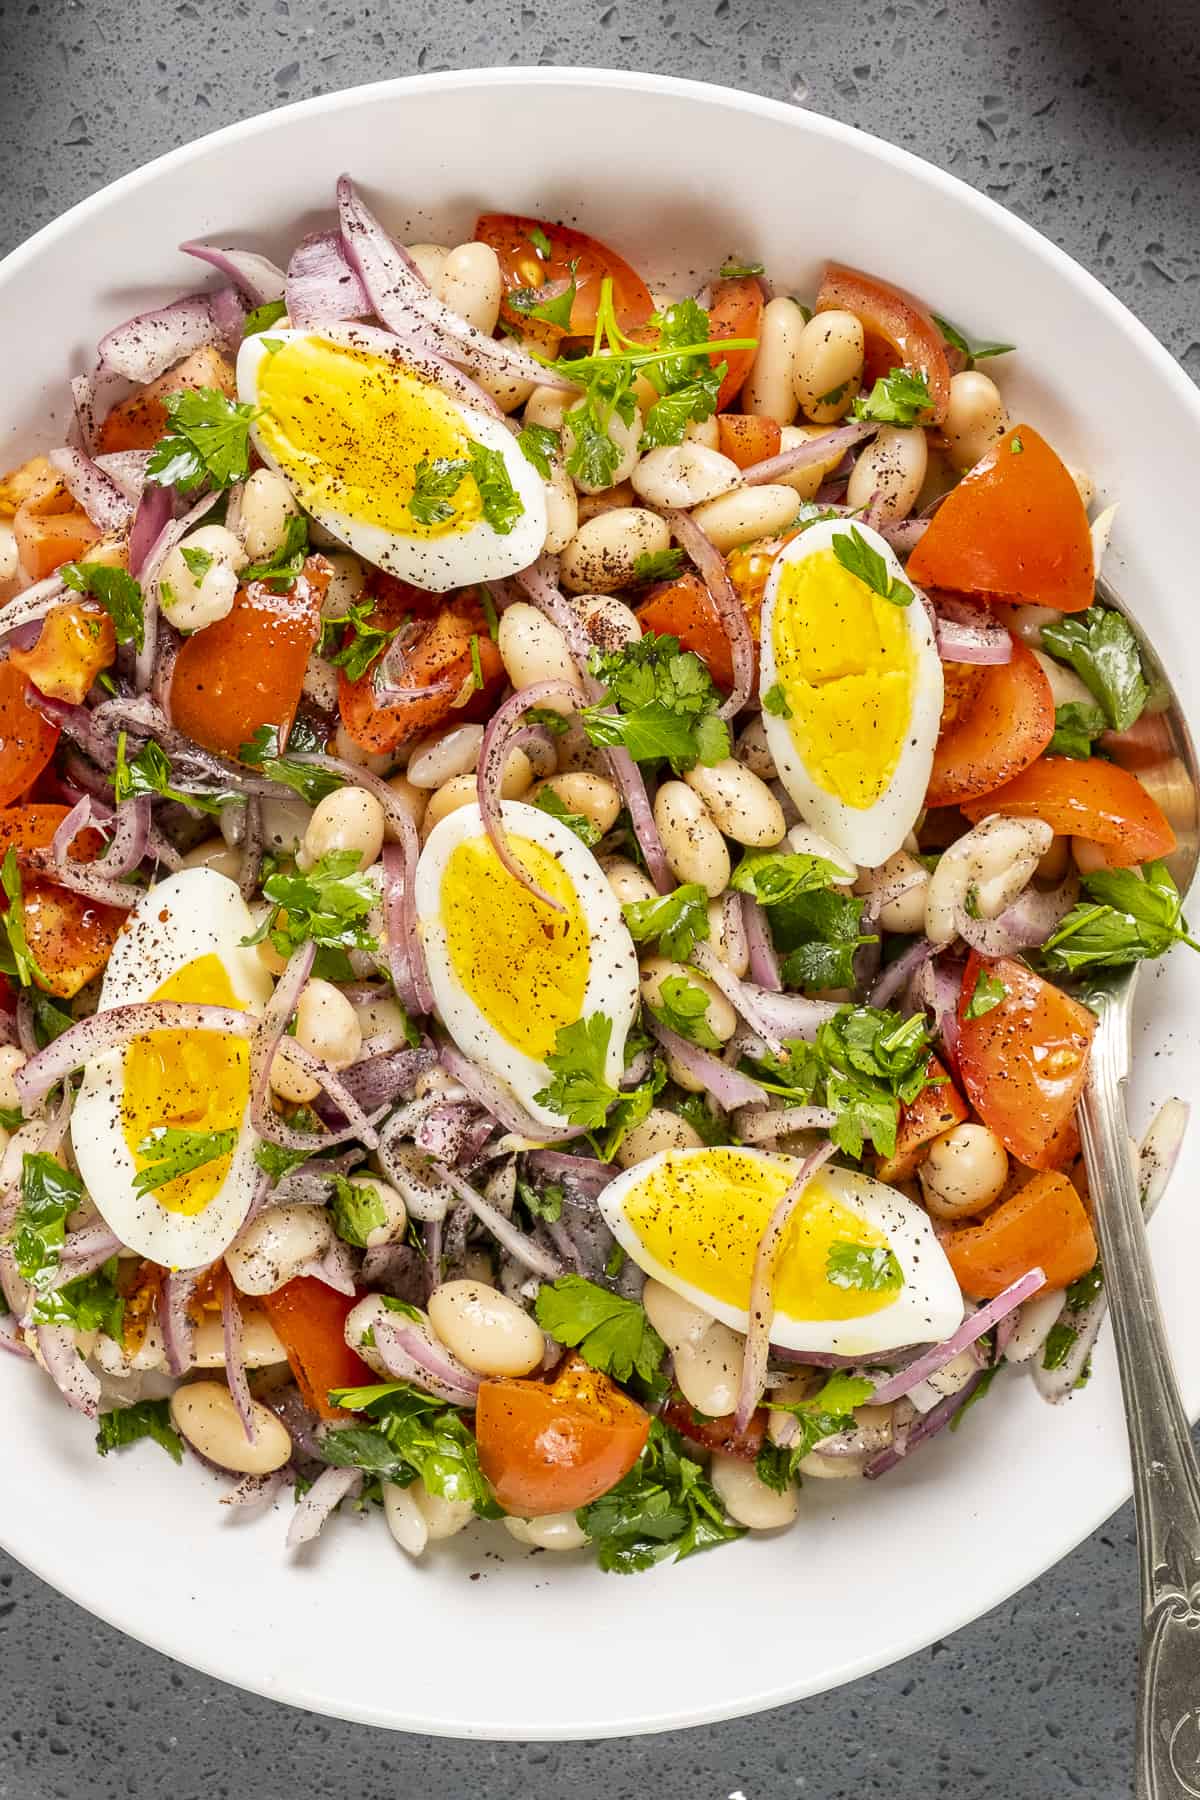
(182, 942)
(852, 691)
(693, 1219)
(507, 971)
(347, 418)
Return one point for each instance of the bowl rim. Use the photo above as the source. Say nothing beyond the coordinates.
(1030, 241)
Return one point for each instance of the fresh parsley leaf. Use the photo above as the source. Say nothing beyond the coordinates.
(631, 1108)
(48, 1194)
(1077, 724)
(708, 1126)
(667, 704)
(898, 398)
(775, 701)
(734, 271)
(541, 243)
(986, 1378)
(502, 505)
(531, 302)
(327, 905)
(310, 782)
(664, 1507)
(591, 455)
(434, 487)
(579, 1089)
(129, 1424)
(683, 1008)
(1101, 648)
(198, 562)
(149, 772)
(864, 1063)
(207, 440)
(973, 353)
(825, 1414)
(539, 446)
(871, 1271)
(49, 1020)
(169, 1152)
(611, 1333)
(353, 642)
(438, 482)
(548, 801)
(1016, 448)
(773, 876)
(856, 555)
(1087, 1287)
(679, 920)
(277, 1162)
(1132, 915)
(89, 1303)
(410, 1436)
(281, 569)
(987, 993)
(657, 565)
(261, 318)
(356, 1209)
(118, 593)
(542, 1203)
(816, 929)
(668, 418)
(1057, 1347)
(16, 958)
(11, 1118)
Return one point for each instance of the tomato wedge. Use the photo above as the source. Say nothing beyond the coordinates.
(309, 1320)
(684, 609)
(27, 740)
(735, 311)
(1042, 1226)
(1089, 799)
(246, 670)
(1014, 528)
(139, 422)
(70, 937)
(549, 1447)
(524, 264)
(745, 438)
(1005, 727)
(936, 1109)
(899, 329)
(716, 1434)
(1024, 1062)
(76, 641)
(49, 527)
(436, 653)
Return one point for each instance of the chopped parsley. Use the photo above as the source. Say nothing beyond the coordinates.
(579, 1090)
(170, 1151)
(666, 704)
(773, 877)
(48, 1194)
(118, 593)
(657, 565)
(711, 1127)
(356, 1209)
(683, 1008)
(362, 641)
(860, 558)
(129, 1424)
(16, 958)
(1077, 724)
(327, 905)
(438, 482)
(540, 445)
(149, 772)
(1130, 915)
(775, 702)
(664, 1507)
(550, 802)
(531, 302)
(609, 1332)
(1100, 646)
(870, 1270)
(410, 1436)
(261, 318)
(735, 271)
(281, 568)
(306, 779)
(827, 1413)
(207, 440)
(542, 1203)
(972, 353)
(864, 1064)
(679, 920)
(816, 926)
(898, 398)
(987, 994)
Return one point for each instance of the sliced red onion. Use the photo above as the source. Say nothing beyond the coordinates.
(335, 1269)
(972, 1328)
(235, 1366)
(31, 607)
(174, 1320)
(409, 1355)
(585, 1174)
(259, 279)
(526, 1251)
(112, 1029)
(488, 1092)
(325, 1495)
(172, 533)
(92, 395)
(11, 1338)
(764, 964)
(493, 754)
(967, 633)
(773, 1017)
(401, 298)
(358, 1123)
(766, 1125)
(149, 523)
(761, 1306)
(721, 591)
(127, 468)
(258, 1490)
(264, 1045)
(903, 534)
(384, 1076)
(102, 500)
(927, 1426)
(78, 1385)
(150, 343)
(821, 449)
(631, 782)
(406, 954)
(82, 1252)
(899, 973)
(321, 285)
(229, 316)
(454, 1131)
(27, 1036)
(728, 1087)
(1030, 920)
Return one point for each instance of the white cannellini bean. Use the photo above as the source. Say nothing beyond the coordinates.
(443, 1518)
(425, 1196)
(382, 1022)
(359, 1329)
(267, 505)
(590, 505)
(552, 1531)
(659, 1130)
(275, 1246)
(517, 776)
(805, 481)
(889, 471)
(484, 1329)
(261, 1348)
(828, 365)
(747, 1499)
(753, 751)
(327, 1024)
(1085, 487)
(405, 1520)
(533, 650)
(965, 1170)
(509, 392)
(703, 431)
(435, 759)
(657, 969)
(975, 417)
(460, 790)
(626, 880)
(546, 406)
(288, 1079)
(830, 1468)
(727, 932)
(803, 841)
(1065, 684)
(593, 797)
(347, 819)
(609, 623)
(395, 1221)
(1027, 622)
(430, 260)
(740, 804)
(600, 557)
(471, 284)
(413, 799)
(345, 584)
(708, 1372)
(905, 912)
(626, 437)
(747, 514)
(203, 1412)
(770, 387)
(684, 475)
(192, 601)
(349, 750)
(675, 1319)
(562, 510)
(213, 853)
(694, 847)
(1089, 857)
(321, 683)
(993, 862)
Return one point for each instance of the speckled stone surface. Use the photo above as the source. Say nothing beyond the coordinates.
(1081, 116)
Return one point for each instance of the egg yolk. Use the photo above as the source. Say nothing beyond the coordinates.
(194, 1080)
(845, 661)
(350, 429)
(702, 1218)
(524, 966)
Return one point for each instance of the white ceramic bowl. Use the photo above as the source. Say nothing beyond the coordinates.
(482, 1638)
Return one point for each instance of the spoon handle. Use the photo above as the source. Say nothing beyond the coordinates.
(1166, 1480)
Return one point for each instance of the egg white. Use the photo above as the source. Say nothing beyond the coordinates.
(870, 834)
(195, 913)
(436, 564)
(612, 981)
(927, 1308)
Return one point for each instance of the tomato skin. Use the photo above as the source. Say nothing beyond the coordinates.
(1006, 726)
(49, 527)
(247, 669)
(1014, 528)
(684, 609)
(1023, 1063)
(1087, 798)
(557, 1446)
(716, 1434)
(735, 311)
(438, 652)
(310, 1321)
(1043, 1225)
(747, 439)
(899, 329)
(71, 937)
(936, 1109)
(139, 422)
(27, 740)
(76, 641)
(32, 827)
(522, 267)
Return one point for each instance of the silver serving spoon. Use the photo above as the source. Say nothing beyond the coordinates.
(1166, 1477)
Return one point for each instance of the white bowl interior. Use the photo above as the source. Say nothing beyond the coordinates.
(481, 1638)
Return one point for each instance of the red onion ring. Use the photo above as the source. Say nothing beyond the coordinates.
(493, 754)
(772, 1016)
(358, 1123)
(969, 1331)
(813, 450)
(171, 534)
(259, 279)
(767, 1126)
(903, 534)
(98, 494)
(730, 611)
(127, 468)
(32, 606)
(321, 285)
(150, 343)
(112, 1029)
(89, 393)
(78, 1385)
(584, 1173)
(761, 1305)
(334, 1270)
(728, 1087)
(1030, 919)
(764, 964)
(967, 633)
(264, 1043)
(408, 1355)
(927, 1426)
(229, 317)
(487, 1092)
(174, 1320)
(326, 1494)
(235, 1366)
(898, 974)
(531, 1255)
(151, 519)
(11, 1338)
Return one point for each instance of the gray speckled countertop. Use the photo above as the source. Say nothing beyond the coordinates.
(1078, 114)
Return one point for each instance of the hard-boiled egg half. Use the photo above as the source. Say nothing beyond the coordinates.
(348, 419)
(507, 971)
(851, 685)
(693, 1219)
(182, 942)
